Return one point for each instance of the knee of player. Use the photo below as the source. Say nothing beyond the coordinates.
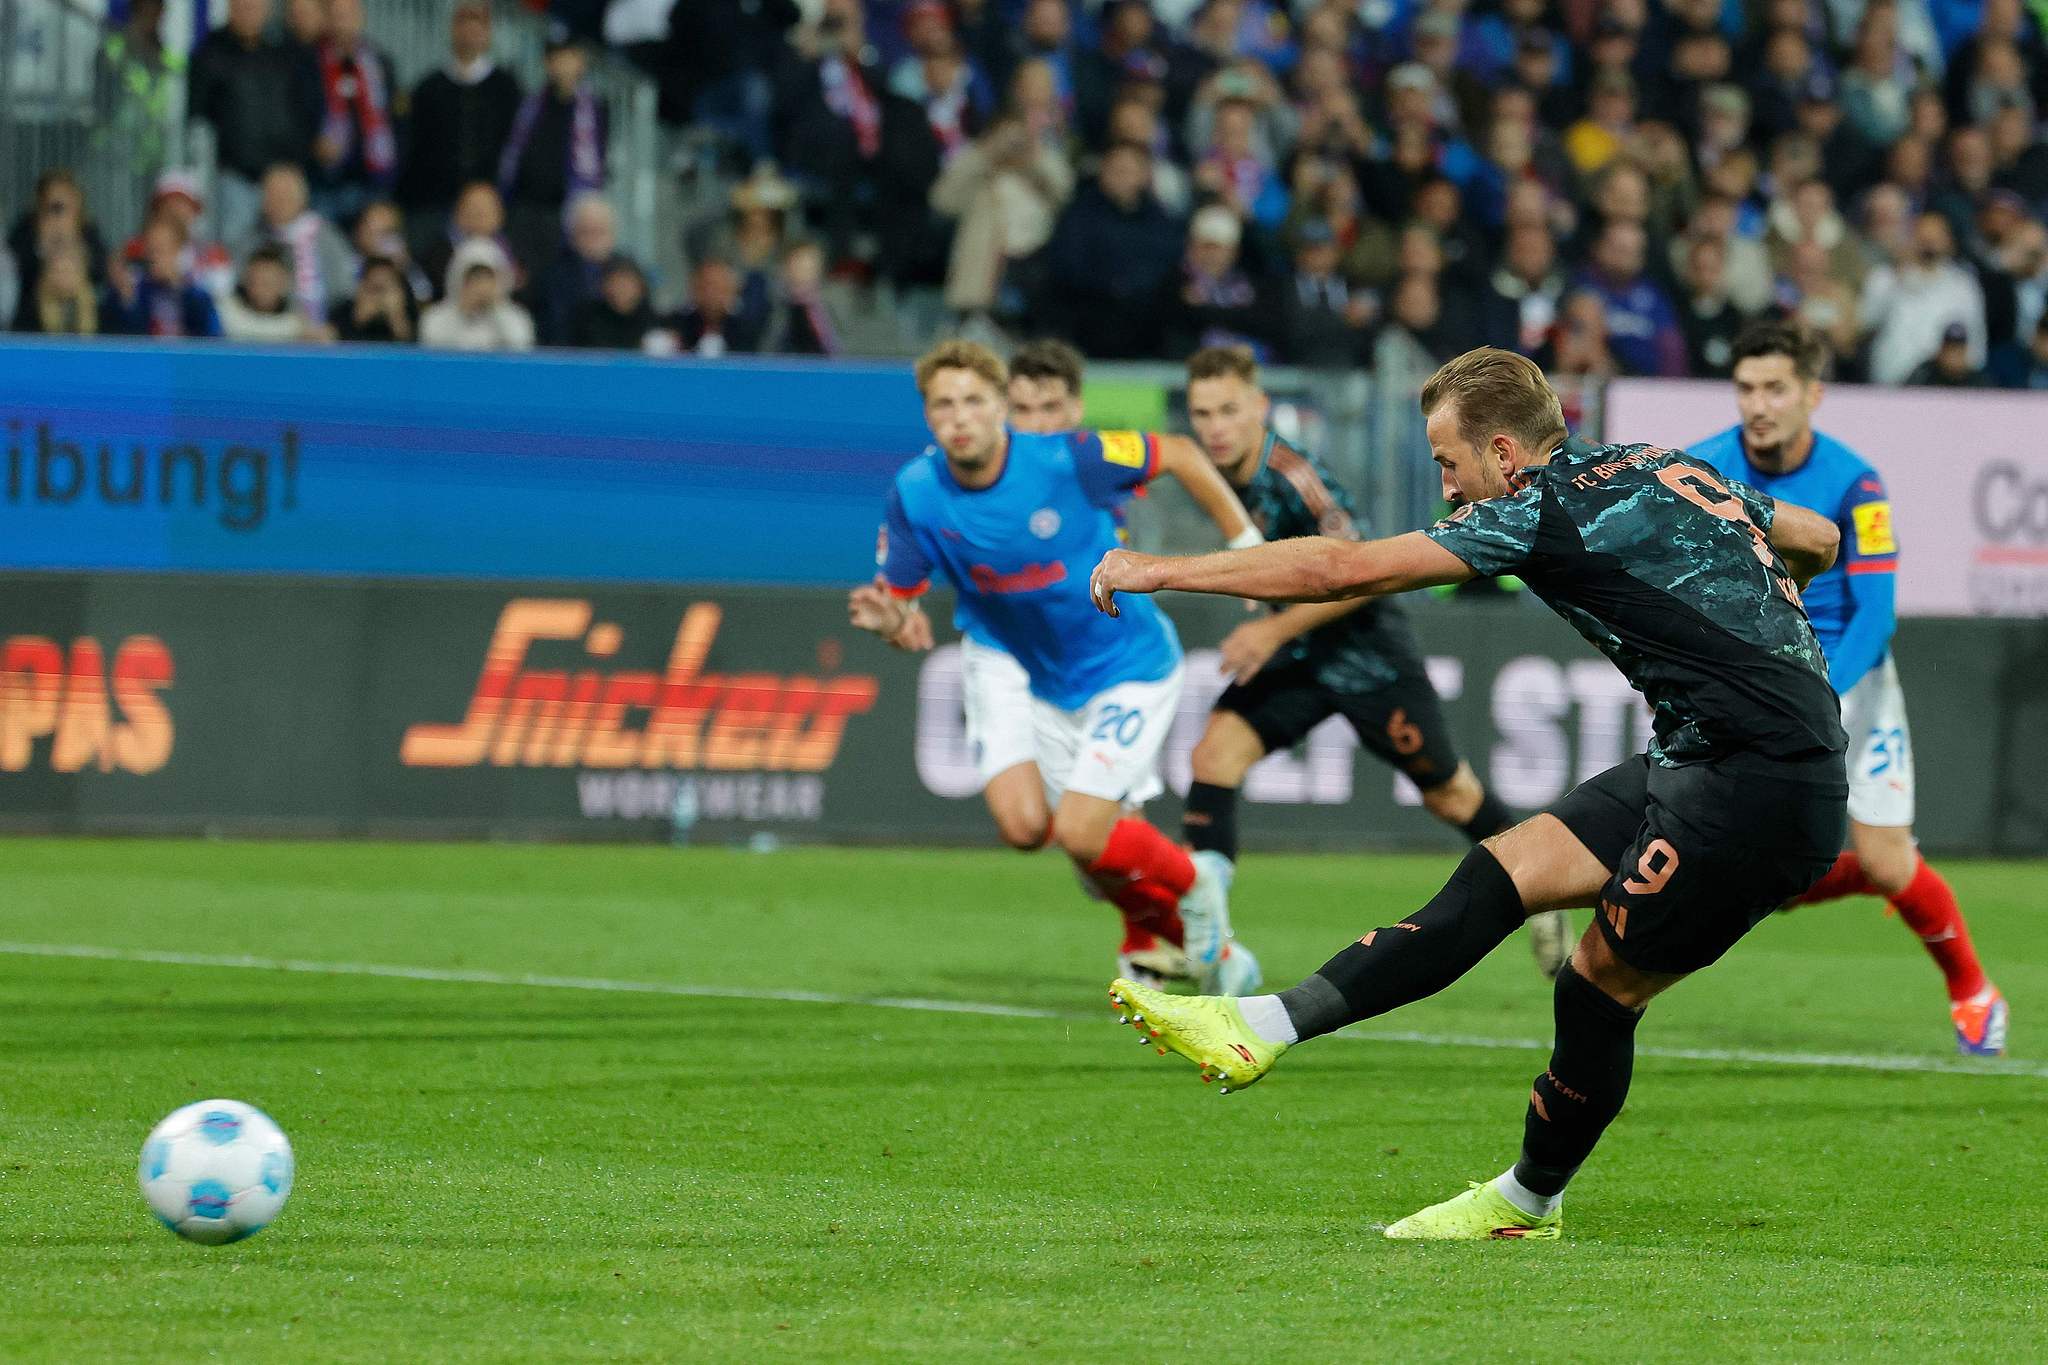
(1457, 799)
(1219, 762)
(1891, 870)
(1026, 834)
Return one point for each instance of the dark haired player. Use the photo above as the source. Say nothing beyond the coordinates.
(1690, 585)
(1293, 669)
(1775, 448)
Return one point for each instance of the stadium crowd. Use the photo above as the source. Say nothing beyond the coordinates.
(1611, 186)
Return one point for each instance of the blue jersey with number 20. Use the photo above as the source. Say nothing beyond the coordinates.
(1019, 552)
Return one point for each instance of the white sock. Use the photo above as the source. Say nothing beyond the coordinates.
(1268, 1018)
(1522, 1197)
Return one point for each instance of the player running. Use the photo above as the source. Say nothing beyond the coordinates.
(1688, 584)
(1778, 368)
(1045, 397)
(1014, 520)
(1292, 670)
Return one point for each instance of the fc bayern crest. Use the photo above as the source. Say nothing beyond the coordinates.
(1045, 523)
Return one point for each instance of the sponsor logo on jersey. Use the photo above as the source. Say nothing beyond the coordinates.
(1874, 529)
(1126, 448)
(1030, 578)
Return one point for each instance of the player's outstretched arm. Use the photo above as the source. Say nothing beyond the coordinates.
(1307, 569)
(1804, 539)
(1183, 459)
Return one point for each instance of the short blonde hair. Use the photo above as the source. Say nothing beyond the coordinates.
(962, 355)
(1498, 391)
(1220, 362)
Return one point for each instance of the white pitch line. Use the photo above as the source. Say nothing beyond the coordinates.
(616, 986)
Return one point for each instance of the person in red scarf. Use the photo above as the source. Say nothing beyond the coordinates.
(355, 152)
(554, 154)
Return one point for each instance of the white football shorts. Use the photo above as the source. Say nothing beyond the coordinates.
(996, 692)
(1880, 749)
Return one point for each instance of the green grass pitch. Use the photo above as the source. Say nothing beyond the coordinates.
(492, 1169)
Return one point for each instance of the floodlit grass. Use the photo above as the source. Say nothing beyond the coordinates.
(491, 1170)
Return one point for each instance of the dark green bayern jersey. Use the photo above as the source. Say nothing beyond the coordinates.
(1668, 569)
(1292, 494)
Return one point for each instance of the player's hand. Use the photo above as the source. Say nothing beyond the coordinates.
(871, 608)
(916, 634)
(1246, 650)
(1120, 571)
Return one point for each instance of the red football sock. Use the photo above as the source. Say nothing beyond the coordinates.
(1929, 908)
(1145, 874)
(1845, 878)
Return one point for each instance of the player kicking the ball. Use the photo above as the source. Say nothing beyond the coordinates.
(1292, 670)
(1015, 520)
(1687, 583)
(1778, 369)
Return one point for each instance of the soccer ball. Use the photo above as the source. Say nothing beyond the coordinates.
(216, 1171)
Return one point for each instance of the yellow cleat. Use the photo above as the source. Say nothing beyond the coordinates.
(1482, 1213)
(1205, 1029)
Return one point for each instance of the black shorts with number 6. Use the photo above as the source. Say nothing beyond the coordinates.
(1402, 722)
(1701, 854)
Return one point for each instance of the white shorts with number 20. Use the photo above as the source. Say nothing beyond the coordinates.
(1109, 747)
(1880, 749)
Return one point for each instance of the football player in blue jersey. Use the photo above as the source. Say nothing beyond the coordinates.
(1015, 521)
(1775, 448)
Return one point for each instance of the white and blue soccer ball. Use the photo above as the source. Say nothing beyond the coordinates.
(216, 1171)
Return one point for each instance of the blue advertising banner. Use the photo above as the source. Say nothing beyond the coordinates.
(358, 461)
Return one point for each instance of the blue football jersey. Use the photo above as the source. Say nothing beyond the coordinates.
(1018, 554)
(1839, 484)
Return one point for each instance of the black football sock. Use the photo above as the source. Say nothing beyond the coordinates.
(1490, 819)
(1209, 819)
(1419, 956)
(1578, 1096)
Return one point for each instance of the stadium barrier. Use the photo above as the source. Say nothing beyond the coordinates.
(162, 703)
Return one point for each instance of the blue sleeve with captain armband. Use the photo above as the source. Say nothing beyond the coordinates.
(1870, 559)
(1112, 464)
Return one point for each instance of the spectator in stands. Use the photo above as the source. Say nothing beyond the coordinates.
(1111, 258)
(1460, 98)
(478, 313)
(305, 25)
(160, 299)
(354, 108)
(1234, 170)
(260, 307)
(1965, 180)
(2021, 161)
(207, 262)
(1323, 321)
(1046, 34)
(1135, 119)
(245, 83)
(619, 316)
(714, 325)
(1609, 121)
(800, 320)
(10, 285)
(1216, 304)
(1910, 304)
(63, 301)
(1521, 302)
(1707, 316)
(573, 278)
(555, 152)
(57, 218)
(136, 80)
(1641, 323)
(937, 75)
(1411, 342)
(1813, 295)
(1130, 44)
(2037, 371)
(383, 308)
(1578, 347)
(321, 262)
(479, 216)
(460, 119)
(1878, 84)
(380, 231)
(1806, 213)
(1950, 367)
(1005, 194)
